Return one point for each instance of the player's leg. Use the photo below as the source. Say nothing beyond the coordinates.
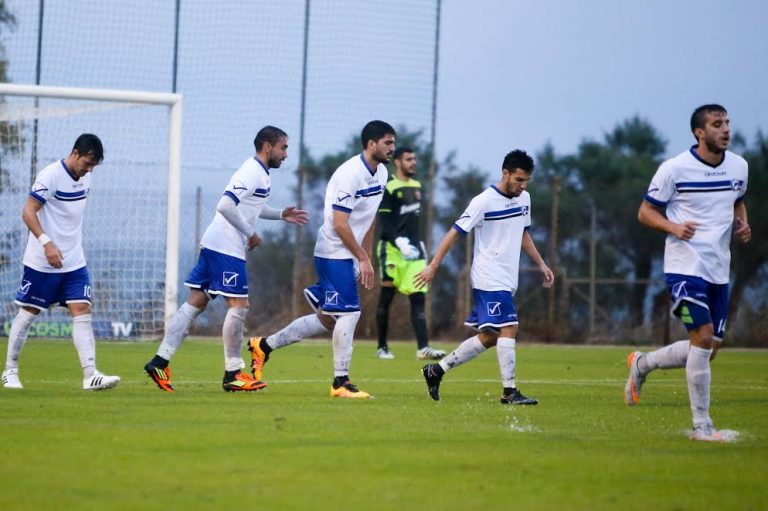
(37, 292)
(505, 351)
(177, 328)
(338, 286)
(232, 336)
(386, 295)
(75, 293)
(389, 259)
(300, 328)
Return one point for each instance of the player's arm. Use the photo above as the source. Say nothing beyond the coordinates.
(228, 209)
(427, 275)
(29, 215)
(653, 217)
(341, 226)
(741, 226)
(289, 214)
(529, 247)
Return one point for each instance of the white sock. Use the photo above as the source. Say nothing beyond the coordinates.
(699, 376)
(85, 344)
(343, 333)
(466, 351)
(17, 337)
(505, 350)
(298, 329)
(232, 334)
(668, 357)
(176, 330)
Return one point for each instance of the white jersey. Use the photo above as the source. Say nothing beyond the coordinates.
(355, 189)
(63, 199)
(499, 222)
(249, 188)
(694, 191)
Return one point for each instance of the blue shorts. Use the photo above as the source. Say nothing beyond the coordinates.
(219, 274)
(336, 291)
(698, 302)
(492, 310)
(40, 290)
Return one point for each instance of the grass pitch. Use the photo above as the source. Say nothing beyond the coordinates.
(292, 447)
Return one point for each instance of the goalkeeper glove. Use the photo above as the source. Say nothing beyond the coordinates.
(407, 249)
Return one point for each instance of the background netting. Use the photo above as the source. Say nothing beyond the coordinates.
(239, 68)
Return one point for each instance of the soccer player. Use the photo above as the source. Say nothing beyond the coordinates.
(221, 269)
(501, 217)
(702, 191)
(342, 255)
(55, 271)
(402, 254)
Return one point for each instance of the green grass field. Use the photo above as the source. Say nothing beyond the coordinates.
(291, 447)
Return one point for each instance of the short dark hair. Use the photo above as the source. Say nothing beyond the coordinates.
(88, 143)
(518, 159)
(375, 130)
(400, 151)
(268, 134)
(699, 116)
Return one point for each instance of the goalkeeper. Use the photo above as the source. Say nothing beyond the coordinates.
(402, 254)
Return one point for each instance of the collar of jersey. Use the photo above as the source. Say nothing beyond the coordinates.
(69, 172)
(266, 169)
(362, 159)
(696, 155)
(502, 193)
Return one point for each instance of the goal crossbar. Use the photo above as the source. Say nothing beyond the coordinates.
(173, 102)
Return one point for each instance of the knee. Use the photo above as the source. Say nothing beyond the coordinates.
(488, 339)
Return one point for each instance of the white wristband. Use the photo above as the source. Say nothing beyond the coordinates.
(43, 239)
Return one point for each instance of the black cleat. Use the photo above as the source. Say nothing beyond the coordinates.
(515, 397)
(433, 374)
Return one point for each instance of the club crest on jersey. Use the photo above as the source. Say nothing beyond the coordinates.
(736, 185)
(331, 298)
(229, 279)
(525, 210)
(494, 308)
(24, 288)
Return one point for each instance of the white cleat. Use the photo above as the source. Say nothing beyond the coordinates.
(384, 354)
(100, 382)
(11, 379)
(429, 353)
(710, 434)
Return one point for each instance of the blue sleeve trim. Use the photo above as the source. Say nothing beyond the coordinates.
(739, 199)
(37, 197)
(341, 208)
(655, 202)
(232, 196)
(527, 227)
(459, 230)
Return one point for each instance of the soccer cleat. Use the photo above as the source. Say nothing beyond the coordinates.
(349, 391)
(258, 357)
(100, 382)
(162, 377)
(708, 433)
(428, 353)
(515, 397)
(385, 354)
(634, 381)
(433, 379)
(241, 382)
(11, 379)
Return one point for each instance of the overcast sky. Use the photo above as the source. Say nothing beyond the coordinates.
(519, 74)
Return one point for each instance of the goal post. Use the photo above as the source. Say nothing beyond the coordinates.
(111, 112)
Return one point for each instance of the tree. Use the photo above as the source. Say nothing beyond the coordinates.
(613, 176)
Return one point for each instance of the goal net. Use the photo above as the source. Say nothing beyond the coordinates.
(130, 231)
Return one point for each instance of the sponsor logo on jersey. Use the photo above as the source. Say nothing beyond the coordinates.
(229, 279)
(39, 189)
(342, 197)
(239, 185)
(713, 174)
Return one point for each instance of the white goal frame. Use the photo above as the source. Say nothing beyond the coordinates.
(173, 101)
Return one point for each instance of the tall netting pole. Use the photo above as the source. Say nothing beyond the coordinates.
(432, 168)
